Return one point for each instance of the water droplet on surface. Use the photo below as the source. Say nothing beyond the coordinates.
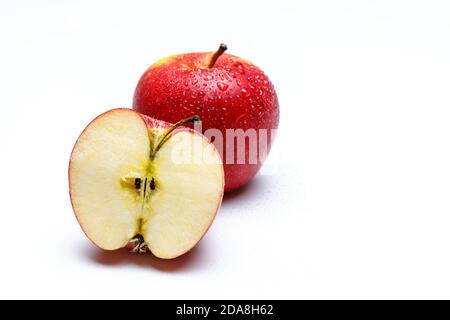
(260, 92)
(194, 81)
(208, 77)
(222, 86)
(201, 93)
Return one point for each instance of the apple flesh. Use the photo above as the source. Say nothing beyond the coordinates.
(140, 181)
(226, 91)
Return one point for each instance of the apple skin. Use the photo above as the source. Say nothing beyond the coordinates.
(151, 123)
(233, 94)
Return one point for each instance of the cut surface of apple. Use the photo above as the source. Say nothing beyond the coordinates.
(134, 179)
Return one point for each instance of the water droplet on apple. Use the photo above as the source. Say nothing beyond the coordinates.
(201, 93)
(194, 81)
(260, 92)
(222, 86)
(245, 92)
(240, 67)
(208, 77)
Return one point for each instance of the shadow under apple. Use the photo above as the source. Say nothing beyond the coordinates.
(252, 191)
(123, 257)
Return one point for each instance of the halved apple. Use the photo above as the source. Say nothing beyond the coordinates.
(140, 181)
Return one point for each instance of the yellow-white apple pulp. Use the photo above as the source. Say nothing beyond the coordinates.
(112, 206)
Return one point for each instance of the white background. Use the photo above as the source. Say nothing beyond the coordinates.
(354, 201)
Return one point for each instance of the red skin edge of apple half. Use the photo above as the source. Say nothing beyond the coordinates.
(148, 120)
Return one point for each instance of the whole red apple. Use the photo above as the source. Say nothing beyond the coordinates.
(227, 92)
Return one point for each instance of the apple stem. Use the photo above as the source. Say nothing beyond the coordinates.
(222, 48)
(166, 135)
